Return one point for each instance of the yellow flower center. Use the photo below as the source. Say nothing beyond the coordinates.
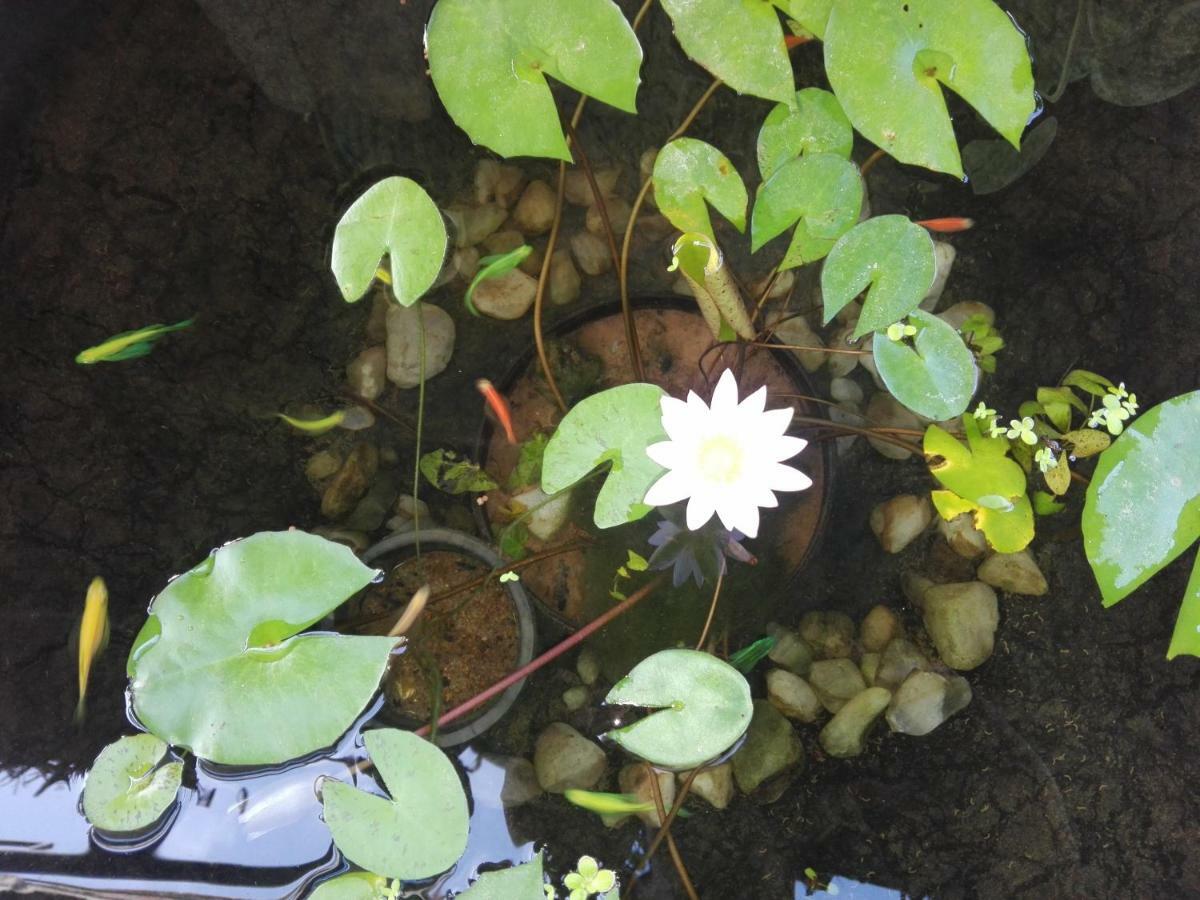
(720, 459)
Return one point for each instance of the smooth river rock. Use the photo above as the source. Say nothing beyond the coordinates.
(925, 700)
(771, 747)
(1013, 573)
(404, 347)
(564, 759)
(961, 619)
(836, 681)
(901, 520)
(793, 696)
(846, 733)
(830, 634)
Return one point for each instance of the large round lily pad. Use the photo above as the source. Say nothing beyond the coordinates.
(129, 786)
(220, 666)
(704, 707)
(421, 831)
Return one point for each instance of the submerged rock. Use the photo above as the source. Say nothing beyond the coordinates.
(588, 666)
(886, 411)
(367, 372)
(878, 628)
(830, 634)
(534, 213)
(578, 189)
(1014, 573)
(520, 781)
(564, 281)
(963, 537)
(564, 759)
(797, 332)
(899, 521)
(618, 217)
(955, 316)
(404, 342)
(790, 651)
(925, 700)
(846, 733)
(321, 465)
(869, 666)
(350, 482)
(792, 696)
(591, 253)
(771, 747)
(899, 659)
(961, 619)
(474, 223)
(574, 698)
(836, 681)
(713, 785)
(943, 254)
(506, 296)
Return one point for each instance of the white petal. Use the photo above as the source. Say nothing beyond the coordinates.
(785, 478)
(725, 397)
(671, 488)
(741, 514)
(699, 510)
(754, 405)
(675, 417)
(786, 447)
(760, 495)
(774, 422)
(667, 454)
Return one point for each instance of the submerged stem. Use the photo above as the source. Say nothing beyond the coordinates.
(416, 511)
(549, 656)
(543, 277)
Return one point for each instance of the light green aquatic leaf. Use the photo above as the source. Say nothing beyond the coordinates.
(489, 60)
(616, 425)
(889, 257)
(995, 164)
(704, 707)
(741, 43)
(820, 194)
(129, 786)
(449, 472)
(815, 124)
(353, 886)
(1143, 509)
(936, 376)
(812, 14)
(688, 172)
(886, 61)
(521, 882)
(397, 218)
(220, 666)
(421, 831)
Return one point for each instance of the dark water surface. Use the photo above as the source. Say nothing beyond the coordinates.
(159, 160)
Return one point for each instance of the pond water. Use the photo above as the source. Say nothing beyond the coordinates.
(165, 160)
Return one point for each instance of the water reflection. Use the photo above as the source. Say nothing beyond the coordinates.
(845, 889)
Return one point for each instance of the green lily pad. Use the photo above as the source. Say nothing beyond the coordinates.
(995, 164)
(394, 217)
(1007, 530)
(814, 124)
(936, 376)
(813, 15)
(616, 425)
(523, 882)
(885, 60)
(1143, 509)
(741, 43)
(421, 831)
(220, 666)
(687, 172)
(704, 707)
(820, 194)
(129, 786)
(354, 886)
(891, 258)
(489, 60)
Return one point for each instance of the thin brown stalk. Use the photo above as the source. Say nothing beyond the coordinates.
(375, 408)
(813, 349)
(665, 830)
(539, 340)
(871, 160)
(676, 858)
(712, 609)
(549, 656)
(411, 612)
(878, 434)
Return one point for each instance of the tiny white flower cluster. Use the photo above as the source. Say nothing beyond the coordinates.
(1018, 429)
(1115, 409)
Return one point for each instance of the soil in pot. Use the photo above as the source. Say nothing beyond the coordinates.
(463, 642)
(576, 586)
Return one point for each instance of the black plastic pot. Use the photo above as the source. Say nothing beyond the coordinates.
(397, 548)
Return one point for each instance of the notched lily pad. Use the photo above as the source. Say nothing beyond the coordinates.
(131, 784)
(221, 667)
(889, 257)
(934, 377)
(615, 426)
(688, 172)
(821, 194)
(397, 218)
(489, 60)
(704, 707)
(421, 831)
(354, 886)
(815, 124)
(992, 165)
(522, 882)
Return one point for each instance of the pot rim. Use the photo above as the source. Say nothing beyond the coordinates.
(580, 318)
(469, 545)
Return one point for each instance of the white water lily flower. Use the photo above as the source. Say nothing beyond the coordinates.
(725, 458)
